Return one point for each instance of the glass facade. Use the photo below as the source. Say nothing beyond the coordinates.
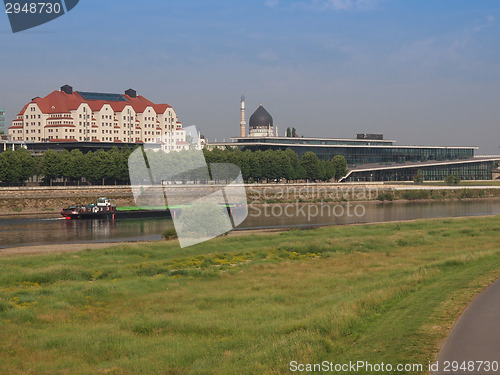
(480, 170)
(316, 141)
(373, 154)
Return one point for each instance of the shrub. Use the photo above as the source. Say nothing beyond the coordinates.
(169, 234)
(452, 179)
(386, 196)
(419, 178)
(415, 194)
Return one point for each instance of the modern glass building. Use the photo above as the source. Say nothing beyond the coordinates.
(357, 151)
(376, 159)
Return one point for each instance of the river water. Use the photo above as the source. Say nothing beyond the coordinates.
(22, 231)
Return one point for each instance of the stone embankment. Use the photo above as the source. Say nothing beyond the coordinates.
(46, 200)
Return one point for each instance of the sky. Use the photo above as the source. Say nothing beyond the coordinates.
(420, 72)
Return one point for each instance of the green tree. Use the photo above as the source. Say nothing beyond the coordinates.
(340, 166)
(10, 167)
(51, 165)
(78, 165)
(255, 165)
(311, 164)
(96, 166)
(419, 178)
(452, 179)
(288, 132)
(328, 170)
(27, 164)
(66, 160)
(294, 132)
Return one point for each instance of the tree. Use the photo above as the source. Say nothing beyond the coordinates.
(27, 164)
(340, 166)
(10, 166)
(294, 165)
(51, 165)
(452, 179)
(288, 132)
(311, 164)
(78, 165)
(419, 178)
(328, 170)
(294, 132)
(66, 160)
(255, 165)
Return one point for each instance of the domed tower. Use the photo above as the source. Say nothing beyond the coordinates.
(261, 123)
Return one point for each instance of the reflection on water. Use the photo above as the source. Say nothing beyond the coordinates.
(368, 212)
(16, 231)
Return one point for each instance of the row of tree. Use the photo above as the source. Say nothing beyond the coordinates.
(278, 165)
(16, 167)
(112, 167)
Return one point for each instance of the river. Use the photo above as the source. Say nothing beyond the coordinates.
(22, 231)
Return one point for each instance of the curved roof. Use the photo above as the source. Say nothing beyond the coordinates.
(260, 118)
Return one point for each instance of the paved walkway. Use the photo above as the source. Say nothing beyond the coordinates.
(475, 337)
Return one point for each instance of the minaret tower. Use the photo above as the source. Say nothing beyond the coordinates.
(243, 123)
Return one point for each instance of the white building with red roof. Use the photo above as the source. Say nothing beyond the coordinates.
(75, 116)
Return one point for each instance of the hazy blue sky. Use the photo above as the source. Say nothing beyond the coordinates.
(420, 72)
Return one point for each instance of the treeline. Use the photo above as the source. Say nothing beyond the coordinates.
(111, 167)
(100, 167)
(278, 165)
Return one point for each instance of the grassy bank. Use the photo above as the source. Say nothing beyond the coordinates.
(246, 304)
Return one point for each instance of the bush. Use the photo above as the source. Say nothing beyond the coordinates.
(419, 178)
(169, 234)
(452, 179)
(415, 194)
(386, 196)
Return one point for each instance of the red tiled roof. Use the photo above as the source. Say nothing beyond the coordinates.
(16, 127)
(60, 102)
(161, 108)
(22, 110)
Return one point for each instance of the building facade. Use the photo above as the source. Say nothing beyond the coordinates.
(2, 122)
(74, 116)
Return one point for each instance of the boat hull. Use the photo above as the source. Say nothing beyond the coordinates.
(117, 214)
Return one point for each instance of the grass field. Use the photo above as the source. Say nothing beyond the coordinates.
(246, 304)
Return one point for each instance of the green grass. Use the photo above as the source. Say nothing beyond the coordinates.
(246, 304)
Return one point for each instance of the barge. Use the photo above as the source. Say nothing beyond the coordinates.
(103, 209)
